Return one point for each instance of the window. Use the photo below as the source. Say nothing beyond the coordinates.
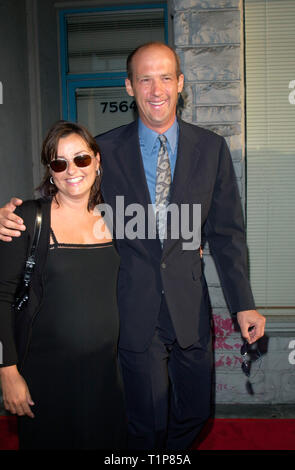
(94, 46)
(270, 144)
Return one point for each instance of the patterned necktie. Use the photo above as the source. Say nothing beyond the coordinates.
(163, 184)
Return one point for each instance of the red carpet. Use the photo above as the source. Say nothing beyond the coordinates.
(219, 434)
(8, 433)
(248, 434)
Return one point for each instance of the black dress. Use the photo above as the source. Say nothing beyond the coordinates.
(72, 369)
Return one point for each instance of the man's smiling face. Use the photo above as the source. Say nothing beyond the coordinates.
(155, 86)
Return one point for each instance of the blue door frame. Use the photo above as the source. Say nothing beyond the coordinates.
(70, 82)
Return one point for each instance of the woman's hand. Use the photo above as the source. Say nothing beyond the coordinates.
(15, 392)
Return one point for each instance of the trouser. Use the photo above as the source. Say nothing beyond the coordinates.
(167, 390)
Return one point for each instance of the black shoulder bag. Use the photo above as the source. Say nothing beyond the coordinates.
(22, 296)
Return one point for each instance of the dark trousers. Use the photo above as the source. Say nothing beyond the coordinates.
(167, 389)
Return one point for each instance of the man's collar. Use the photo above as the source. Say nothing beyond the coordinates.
(149, 137)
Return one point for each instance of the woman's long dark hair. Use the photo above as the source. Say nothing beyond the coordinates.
(49, 151)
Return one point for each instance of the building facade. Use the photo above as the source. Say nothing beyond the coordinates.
(36, 90)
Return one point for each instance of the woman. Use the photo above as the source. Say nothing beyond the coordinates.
(66, 387)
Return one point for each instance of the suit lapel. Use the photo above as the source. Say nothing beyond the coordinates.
(133, 179)
(131, 166)
(188, 156)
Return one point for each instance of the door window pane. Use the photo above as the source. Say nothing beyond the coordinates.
(101, 42)
(102, 109)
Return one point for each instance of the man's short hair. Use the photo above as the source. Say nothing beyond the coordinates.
(147, 45)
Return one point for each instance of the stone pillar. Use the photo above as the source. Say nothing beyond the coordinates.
(208, 37)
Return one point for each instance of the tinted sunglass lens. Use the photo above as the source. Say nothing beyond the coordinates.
(82, 160)
(58, 165)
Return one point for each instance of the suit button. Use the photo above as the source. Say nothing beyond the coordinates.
(163, 265)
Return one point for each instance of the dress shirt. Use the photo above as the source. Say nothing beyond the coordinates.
(150, 146)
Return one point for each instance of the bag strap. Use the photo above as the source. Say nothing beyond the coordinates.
(30, 263)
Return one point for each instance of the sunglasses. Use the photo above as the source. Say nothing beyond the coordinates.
(249, 355)
(61, 164)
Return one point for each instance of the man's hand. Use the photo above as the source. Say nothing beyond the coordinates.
(10, 224)
(251, 324)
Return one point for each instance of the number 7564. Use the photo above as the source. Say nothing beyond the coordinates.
(114, 106)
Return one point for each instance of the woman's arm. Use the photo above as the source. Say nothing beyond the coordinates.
(13, 258)
(16, 395)
(12, 262)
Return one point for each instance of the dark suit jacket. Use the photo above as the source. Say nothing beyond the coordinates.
(203, 175)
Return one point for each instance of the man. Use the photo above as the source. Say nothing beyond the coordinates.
(165, 343)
